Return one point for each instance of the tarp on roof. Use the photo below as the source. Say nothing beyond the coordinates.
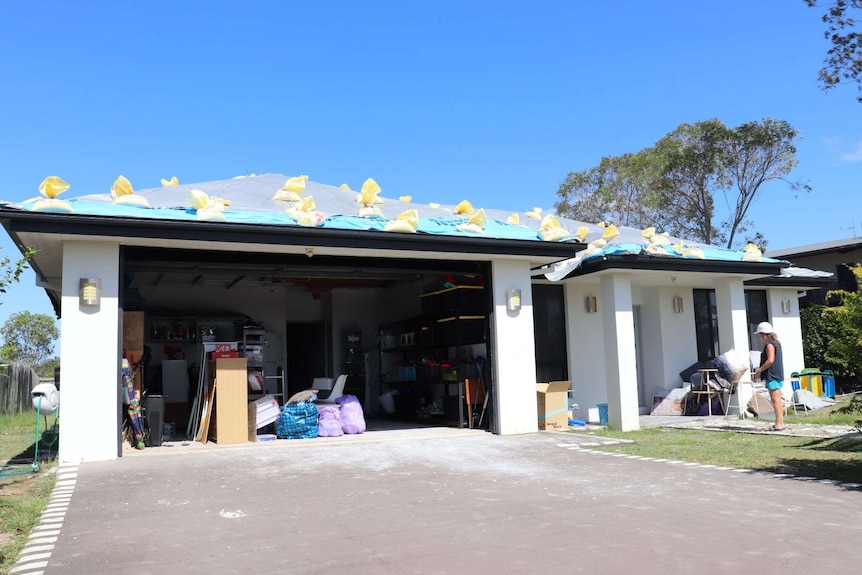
(251, 202)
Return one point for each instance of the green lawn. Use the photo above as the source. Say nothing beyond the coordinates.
(23, 493)
(839, 458)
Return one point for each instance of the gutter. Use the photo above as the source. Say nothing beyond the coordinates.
(111, 226)
(670, 264)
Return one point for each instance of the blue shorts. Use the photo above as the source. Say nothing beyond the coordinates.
(774, 384)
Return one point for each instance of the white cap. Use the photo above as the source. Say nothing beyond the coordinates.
(764, 327)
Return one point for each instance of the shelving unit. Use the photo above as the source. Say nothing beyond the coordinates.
(425, 360)
(252, 349)
(353, 364)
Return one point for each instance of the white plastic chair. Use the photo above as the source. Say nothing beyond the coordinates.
(337, 391)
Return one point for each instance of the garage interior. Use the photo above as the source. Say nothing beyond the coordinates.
(411, 335)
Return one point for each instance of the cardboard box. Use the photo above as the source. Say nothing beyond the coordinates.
(553, 406)
(225, 350)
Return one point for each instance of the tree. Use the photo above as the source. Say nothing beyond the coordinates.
(619, 189)
(10, 273)
(28, 338)
(843, 61)
(673, 185)
(46, 368)
(844, 347)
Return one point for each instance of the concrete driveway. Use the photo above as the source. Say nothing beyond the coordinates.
(470, 503)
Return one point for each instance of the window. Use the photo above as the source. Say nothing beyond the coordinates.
(706, 324)
(549, 325)
(756, 312)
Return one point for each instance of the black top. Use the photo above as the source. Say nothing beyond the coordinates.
(775, 372)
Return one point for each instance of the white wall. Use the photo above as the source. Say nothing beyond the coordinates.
(89, 354)
(585, 348)
(515, 352)
(788, 327)
(667, 337)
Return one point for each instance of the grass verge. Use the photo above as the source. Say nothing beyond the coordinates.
(836, 458)
(839, 459)
(23, 494)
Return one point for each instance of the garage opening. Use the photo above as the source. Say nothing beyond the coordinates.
(410, 335)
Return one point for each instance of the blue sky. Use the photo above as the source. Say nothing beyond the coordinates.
(488, 101)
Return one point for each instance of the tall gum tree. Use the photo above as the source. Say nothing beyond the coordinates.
(674, 184)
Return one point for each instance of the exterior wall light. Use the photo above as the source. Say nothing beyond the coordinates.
(90, 291)
(677, 304)
(785, 305)
(513, 300)
(590, 304)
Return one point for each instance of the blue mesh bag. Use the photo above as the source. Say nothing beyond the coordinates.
(297, 421)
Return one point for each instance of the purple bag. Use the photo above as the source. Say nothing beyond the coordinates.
(329, 422)
(352, 420)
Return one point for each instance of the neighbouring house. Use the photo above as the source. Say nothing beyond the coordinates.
(835, 257)
(408, 304)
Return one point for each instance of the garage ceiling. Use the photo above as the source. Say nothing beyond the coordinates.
(165, 267)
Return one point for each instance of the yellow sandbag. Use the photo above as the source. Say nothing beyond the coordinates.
(345, 187)
(610, 232)
(582, 232)
(306, 204)
(132, 200)
(52, 186)
(210, 214)
(553, 234)
(694, 252)
(751, 253)
(464, 207)
(648, 232)
(405, 199)
(434, 205)
(656, 250)
(174, 181)
(121, 187)
(369, 192)
(514, 219)
(475, 223)
(406, 222)
(399, 226)
(52, 205)
(291, 190)
(534, 214)
(310, 219)
(370, 212)
(198, 199)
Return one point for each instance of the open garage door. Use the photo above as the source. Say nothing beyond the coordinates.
(411, 335)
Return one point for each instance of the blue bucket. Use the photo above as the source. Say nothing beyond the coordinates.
(603, 413)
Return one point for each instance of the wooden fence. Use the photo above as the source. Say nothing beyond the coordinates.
(16, 382)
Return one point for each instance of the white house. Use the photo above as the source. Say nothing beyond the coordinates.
(620, 318)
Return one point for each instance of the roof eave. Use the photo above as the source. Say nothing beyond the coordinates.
(657, 263)
(51, 223)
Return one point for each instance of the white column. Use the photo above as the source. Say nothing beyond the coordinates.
(585, 347)
(620, 365)
(90, 355)
(788, 328)
(514, 350)
(733, 328)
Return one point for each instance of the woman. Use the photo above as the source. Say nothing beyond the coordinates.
(771, 370)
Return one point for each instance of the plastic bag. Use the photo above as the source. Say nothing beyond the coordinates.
(352, 419)
(329, 422)
(297, 421)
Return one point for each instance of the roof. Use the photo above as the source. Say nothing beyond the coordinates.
(254, 216)
(841, 246)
